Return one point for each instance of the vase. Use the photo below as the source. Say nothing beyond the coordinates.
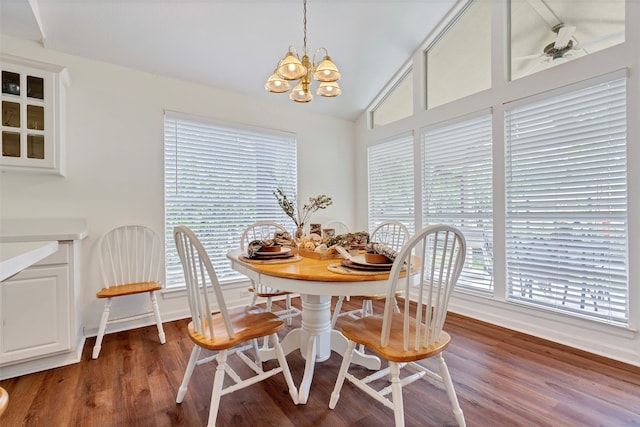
(299, 231)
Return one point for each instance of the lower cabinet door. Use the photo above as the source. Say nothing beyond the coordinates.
(34, 307)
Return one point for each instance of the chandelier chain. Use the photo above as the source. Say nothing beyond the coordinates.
(304, 22)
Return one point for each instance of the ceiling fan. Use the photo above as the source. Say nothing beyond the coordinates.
(560, 50)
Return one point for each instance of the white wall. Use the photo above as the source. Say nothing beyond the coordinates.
(615, 342)
(114, 155)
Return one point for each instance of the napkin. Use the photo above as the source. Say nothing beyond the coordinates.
(382, 249)
(282, 239)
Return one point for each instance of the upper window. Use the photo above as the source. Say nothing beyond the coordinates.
(219, 179)
(566, 199)
(397, 104)
(458, 63)
(551, 32)
(391, 183)
(457, 190)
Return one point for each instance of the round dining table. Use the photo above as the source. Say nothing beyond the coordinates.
(316, 280)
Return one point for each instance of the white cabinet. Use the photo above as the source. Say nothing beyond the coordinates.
(35, 311)
(39, 307)
(33, 120)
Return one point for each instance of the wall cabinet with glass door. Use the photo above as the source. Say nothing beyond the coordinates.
(33, 95)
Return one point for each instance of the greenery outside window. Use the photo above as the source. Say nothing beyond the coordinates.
(457, 190)
(219, 179)
(566, 199)
(391, 182)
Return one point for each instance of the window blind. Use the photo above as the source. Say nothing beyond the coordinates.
(219, 179)
(391, 183)
(566, 200)
(458, 190)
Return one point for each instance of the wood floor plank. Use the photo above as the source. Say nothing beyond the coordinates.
(502, 378)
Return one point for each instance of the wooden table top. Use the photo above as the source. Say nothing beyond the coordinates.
(305, 269)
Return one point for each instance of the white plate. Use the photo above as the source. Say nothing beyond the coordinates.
(283, 250)
(359, 259)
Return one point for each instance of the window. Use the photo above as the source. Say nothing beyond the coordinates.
(457, 190)
(391, 183)
(219, 179)
(459, 62)
(566, 201)
(397, 104)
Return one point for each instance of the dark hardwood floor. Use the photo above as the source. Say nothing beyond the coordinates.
(502, 378)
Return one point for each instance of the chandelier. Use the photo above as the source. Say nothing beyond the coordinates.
(292, 68)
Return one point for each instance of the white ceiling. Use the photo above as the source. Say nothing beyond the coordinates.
(236, 44)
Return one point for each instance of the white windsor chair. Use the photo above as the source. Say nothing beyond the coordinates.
(225, 330)
(416, 332)
(130, 259)
(259, 231)
(393, 234)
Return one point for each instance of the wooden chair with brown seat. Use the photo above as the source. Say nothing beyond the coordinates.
(225, 330)
(260, 231)
(130, 259)
(391, 233)
(416, 332)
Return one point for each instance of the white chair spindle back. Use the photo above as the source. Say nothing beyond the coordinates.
(391, 233)
(259, 231)
(439, 252)
(339, 227)
(200, 278)
(130, 254)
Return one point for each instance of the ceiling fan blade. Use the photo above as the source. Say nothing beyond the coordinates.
(524, 58)
(619, 35)
(564, 36)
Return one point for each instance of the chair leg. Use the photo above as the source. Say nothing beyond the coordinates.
(336, 312)
(218, 382)
(256, 351)
(396, 394)
(367, 308)
(254, 298)
(293, 391)
(266, 338)
(346, 361)
(448, 384)
(288, 306)
(103, 326)
(156, 312)
(195, 353)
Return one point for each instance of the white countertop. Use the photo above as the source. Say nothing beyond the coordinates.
(42, 229)
(15, 257)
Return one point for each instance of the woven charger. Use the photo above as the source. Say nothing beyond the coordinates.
(295, 258)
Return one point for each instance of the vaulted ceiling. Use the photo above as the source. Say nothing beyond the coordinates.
(235, 44)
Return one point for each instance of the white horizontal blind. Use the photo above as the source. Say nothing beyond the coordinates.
(458, 190)
(391, 183)
(566, 192)
(219, 179)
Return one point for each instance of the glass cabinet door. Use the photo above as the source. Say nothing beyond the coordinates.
(32, 124)
(31, 128)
